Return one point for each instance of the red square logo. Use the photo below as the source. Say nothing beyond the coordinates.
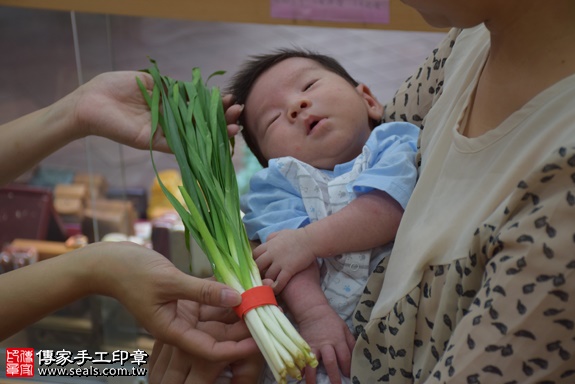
(19, 362)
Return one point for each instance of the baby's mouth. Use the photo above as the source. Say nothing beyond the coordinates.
(313, 122)
(312, 125)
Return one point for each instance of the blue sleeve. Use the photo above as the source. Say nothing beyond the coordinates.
(271, 204)
(391, 165)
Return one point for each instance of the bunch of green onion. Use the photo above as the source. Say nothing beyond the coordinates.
(192, 119)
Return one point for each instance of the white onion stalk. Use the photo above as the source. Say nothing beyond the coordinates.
(192, 120)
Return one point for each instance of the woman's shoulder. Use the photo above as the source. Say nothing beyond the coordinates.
(469, 45)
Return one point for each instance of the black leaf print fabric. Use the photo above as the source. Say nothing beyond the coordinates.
(512, 308)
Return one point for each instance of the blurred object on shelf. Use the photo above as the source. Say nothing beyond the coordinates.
(70, 201)
(138, 197)
(161, 227)
(71, 191)
(143, 229)
(115, 236)
(70, 210)
(28, 212)
(92, 181)
(169, 239)
(168, 234)
(158, 204)
(15, 256)
(76, 241)
(49, 177)
(110, 216)
(45, 249)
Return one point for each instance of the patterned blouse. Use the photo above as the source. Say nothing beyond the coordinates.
(504, 311)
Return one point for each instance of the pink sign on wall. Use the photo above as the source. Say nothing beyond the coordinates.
(358, 11)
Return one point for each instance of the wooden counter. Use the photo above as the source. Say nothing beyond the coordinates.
(46, 249)
(402, 17)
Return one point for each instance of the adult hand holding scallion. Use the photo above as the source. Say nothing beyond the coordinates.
(192, 119)
(161, 298)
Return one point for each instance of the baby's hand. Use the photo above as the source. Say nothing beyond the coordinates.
(330, 340)
(284, 254)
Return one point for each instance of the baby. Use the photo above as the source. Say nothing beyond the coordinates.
(328, 202)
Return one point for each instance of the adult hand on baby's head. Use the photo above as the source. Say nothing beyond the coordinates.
(232, 113)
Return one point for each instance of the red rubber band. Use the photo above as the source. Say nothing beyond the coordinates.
(255, 297)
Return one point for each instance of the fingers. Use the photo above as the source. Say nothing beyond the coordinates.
(233, 113)
(268, 282)
(248, 371)
(227, 101)
(271, 270)
(223, 315)
(350, 339)
(330, 362)
(200, 343)
(155, 353)
(146, 79)
(263, 264)
(310, 375)
(178, 370)
(224, 332)
(159, 142)
(343, 359)
(259, 250)
(281, 281)
(204, 291)
(233, 129)
(159, 362)
(173, 366)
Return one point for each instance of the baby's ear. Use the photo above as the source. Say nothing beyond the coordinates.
(374, 107)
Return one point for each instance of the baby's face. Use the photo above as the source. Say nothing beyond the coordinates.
(297, 108)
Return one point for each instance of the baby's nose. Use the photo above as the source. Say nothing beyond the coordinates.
(298, 107)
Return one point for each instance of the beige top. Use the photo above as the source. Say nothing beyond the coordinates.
(479, 288)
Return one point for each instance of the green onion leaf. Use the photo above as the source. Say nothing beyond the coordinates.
(192, 119)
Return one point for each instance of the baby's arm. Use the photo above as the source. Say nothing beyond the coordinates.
(369, 221)
(323, 329)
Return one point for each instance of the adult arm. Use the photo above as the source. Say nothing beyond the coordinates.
(110, 105)
(162, 298)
